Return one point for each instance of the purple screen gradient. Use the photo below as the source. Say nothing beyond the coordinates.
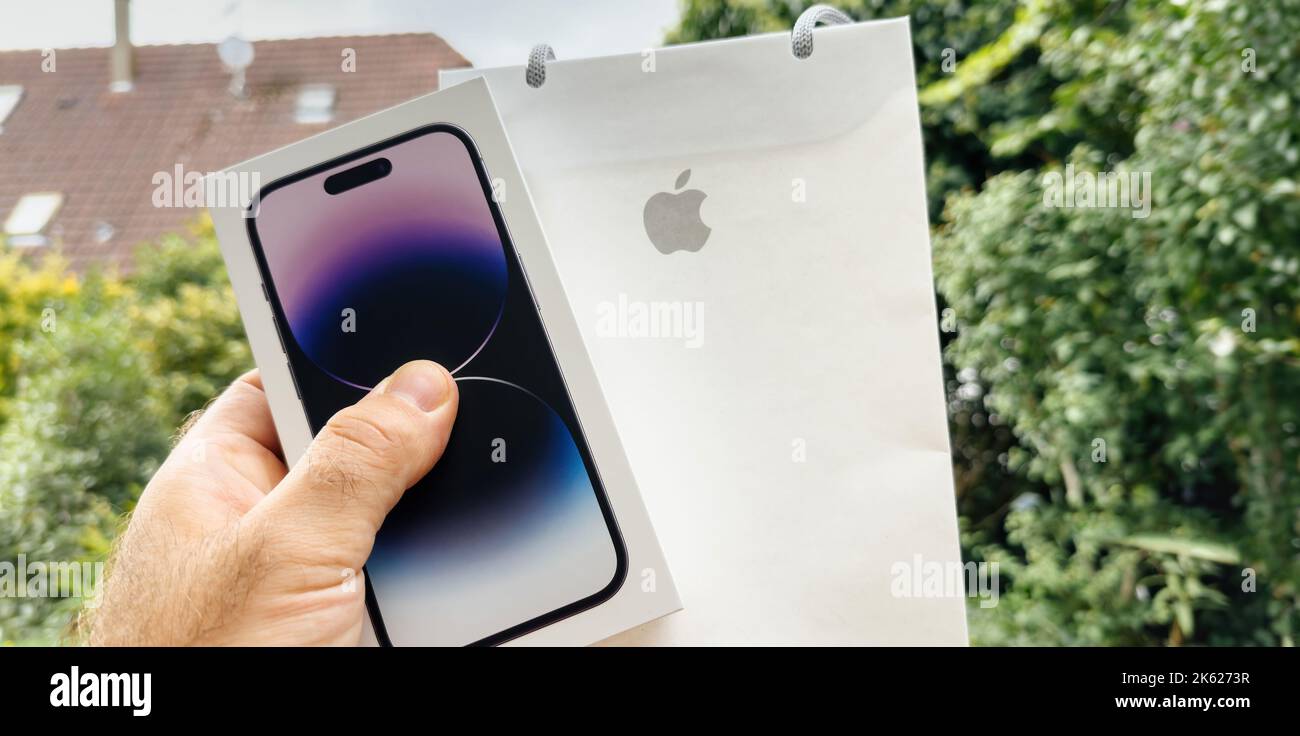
(413, 261)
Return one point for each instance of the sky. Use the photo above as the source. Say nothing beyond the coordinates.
(487, 32)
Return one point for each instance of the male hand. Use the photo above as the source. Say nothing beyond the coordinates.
(227, 546)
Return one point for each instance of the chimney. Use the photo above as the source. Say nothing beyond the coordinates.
(122, 55)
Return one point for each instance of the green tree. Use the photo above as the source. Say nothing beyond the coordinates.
(102, 369)
(83, 438)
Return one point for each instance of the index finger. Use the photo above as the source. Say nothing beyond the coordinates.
(241, 409)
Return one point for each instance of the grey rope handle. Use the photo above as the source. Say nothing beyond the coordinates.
(801, 38)
(535, 73)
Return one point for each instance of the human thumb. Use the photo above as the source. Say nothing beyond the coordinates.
(336, 496)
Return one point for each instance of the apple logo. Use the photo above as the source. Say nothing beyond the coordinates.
(673, 220)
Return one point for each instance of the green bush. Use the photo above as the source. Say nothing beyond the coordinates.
(1124, 443)
(187, 316)
(101, 370)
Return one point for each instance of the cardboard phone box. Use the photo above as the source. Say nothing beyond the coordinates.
(647, 590)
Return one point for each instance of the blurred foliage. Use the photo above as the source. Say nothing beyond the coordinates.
(97, 373)
(1120, 389)
(26, 294)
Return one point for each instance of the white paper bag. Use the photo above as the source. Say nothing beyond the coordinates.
(776, 376)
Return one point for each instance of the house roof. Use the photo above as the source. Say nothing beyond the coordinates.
(101, 149)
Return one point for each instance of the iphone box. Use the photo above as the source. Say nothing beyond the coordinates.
(426, 198)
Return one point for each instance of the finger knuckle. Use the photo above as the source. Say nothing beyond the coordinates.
(368, 438)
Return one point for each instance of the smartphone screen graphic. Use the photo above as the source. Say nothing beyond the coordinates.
(398, 252)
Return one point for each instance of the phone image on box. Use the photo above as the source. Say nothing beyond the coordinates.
(399, 252)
